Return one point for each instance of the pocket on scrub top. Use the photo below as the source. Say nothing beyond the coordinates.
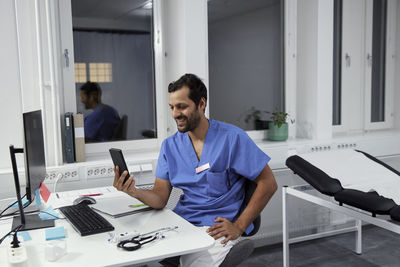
(217, 183)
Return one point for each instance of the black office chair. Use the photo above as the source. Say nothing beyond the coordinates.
(243, 249)
(121, 129)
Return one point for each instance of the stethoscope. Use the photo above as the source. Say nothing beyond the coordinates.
(137, 242)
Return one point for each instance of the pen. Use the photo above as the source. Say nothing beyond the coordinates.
(137, 205)
(92, 195)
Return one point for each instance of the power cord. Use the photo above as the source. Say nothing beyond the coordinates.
(9, 206)
(59, 177)
(13, 230)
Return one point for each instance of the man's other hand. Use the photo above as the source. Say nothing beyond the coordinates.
(127, 187)
(224, 228)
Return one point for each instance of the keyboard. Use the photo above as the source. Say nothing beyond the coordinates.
(85, 220)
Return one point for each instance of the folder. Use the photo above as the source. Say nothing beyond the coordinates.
(120, 206)
(79, 134)
(69, 137)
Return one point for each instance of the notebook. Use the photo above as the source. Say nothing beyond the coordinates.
(120, 206)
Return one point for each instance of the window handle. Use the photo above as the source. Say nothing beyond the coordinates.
(66, 56)
(369, 59)
(348, 60)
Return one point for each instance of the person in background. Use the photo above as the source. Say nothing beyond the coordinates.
(210, 161)
(100, 124)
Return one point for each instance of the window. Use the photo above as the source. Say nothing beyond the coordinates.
(337, 61)
(114, 48)
(377, 60)
(100, 72)
(80, 72)
(245, 61)
(363, 64)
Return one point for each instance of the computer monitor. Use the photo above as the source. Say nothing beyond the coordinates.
(35, 161)
(35, 168)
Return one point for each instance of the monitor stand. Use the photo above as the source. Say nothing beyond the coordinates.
(26, 222)
(32, 222)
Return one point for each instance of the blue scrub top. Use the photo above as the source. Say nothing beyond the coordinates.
(101, 123)
(217, 191)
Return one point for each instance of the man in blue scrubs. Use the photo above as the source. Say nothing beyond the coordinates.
(209, 160)
(100, 124)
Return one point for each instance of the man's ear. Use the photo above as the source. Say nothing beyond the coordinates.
(203, 104)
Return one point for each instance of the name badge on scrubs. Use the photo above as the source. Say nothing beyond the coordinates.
(203, 168)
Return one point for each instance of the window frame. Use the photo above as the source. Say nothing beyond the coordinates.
(366, 45)
(389, 67)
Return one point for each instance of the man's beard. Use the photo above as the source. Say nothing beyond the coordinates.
(191, 123)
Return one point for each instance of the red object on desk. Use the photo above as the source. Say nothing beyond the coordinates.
(92, 195)
(44, 192)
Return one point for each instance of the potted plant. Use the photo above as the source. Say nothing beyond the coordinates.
(278, 127)
(258, 117)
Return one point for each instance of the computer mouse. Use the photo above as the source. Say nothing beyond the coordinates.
(85, 200)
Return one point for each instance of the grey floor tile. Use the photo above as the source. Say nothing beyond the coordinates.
(380, 248)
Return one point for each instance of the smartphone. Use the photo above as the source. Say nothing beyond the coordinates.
(118, 159)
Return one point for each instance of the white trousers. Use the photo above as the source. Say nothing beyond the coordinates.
(214, 256)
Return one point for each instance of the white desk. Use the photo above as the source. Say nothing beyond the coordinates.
(95, 250)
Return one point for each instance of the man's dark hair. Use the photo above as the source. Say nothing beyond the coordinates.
(92, 88)
(197, 89)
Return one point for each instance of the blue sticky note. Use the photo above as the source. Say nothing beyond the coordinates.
(49, 214)
(24, 201)
(55, 233)
(37, 197)
(25, 235)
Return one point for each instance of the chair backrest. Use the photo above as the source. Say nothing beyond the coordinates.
(121, 129)
(250, 187)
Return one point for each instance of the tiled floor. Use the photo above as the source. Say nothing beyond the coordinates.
(380, 248)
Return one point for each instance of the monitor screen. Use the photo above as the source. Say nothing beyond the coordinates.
(35, 162)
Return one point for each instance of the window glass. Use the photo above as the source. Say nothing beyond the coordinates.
(113, 48)
(337, 62)
(378, 60)
(245, 61)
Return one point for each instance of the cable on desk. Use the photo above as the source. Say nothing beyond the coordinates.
(13, 230)
(59, 176)
(10, 205)
(57, 217)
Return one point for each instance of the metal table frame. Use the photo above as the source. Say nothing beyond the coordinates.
(357, 214)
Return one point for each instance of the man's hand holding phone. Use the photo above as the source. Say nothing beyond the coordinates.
(128, 186)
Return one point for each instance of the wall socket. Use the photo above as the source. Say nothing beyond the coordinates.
(100, 171)
(330, 146)
(67, 175)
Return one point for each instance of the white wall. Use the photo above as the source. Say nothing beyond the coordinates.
(307, 40)
(10, 100)
(186, 38)
(314, 91)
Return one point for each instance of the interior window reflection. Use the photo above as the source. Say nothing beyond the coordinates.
(101, 124)
(113, 47)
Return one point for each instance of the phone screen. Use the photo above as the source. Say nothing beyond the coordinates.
(118, 160)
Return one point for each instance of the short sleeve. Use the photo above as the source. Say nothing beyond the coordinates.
(246, 158)
(162, 170)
